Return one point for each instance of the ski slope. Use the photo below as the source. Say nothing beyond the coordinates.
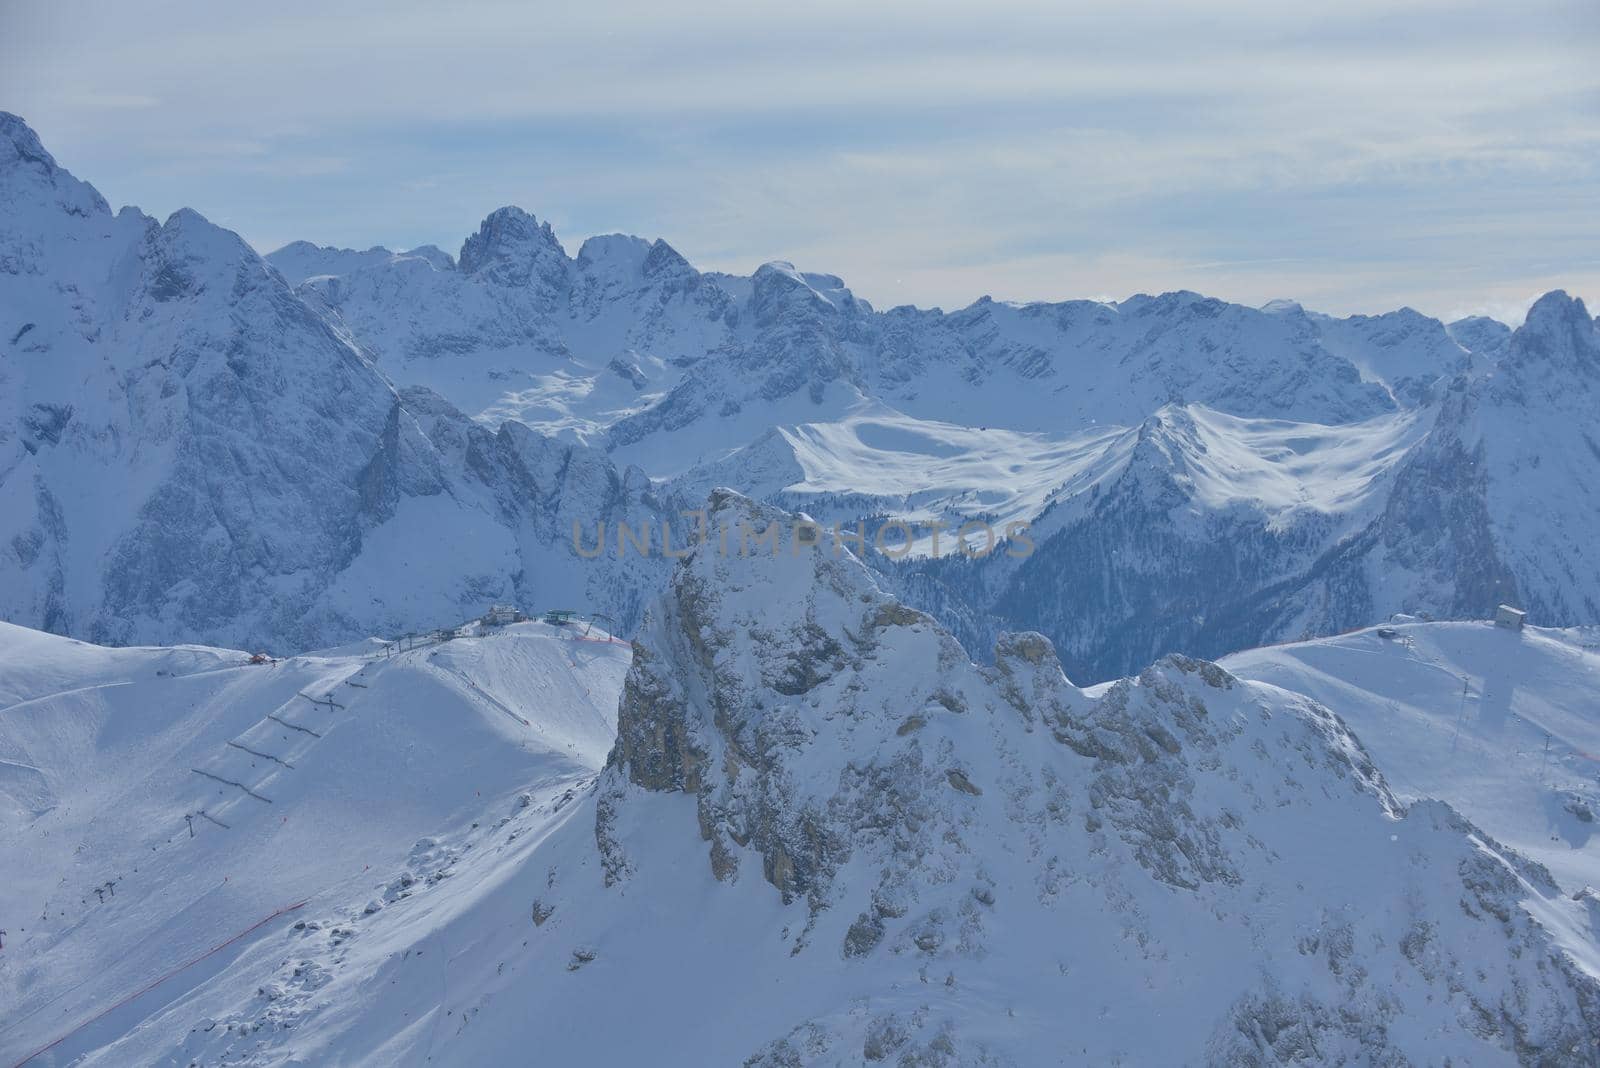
(1462, 712)
(305, 780)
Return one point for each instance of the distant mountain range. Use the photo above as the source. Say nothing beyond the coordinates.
(201, 443)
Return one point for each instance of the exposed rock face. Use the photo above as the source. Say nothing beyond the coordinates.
(189, 451)
(1221, 852)
(512, 248)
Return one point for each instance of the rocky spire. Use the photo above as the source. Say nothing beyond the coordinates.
(29, 172)
(512, 248)
(1557, 332)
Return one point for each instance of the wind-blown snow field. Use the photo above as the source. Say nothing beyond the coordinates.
(876, 460)
(352, 804)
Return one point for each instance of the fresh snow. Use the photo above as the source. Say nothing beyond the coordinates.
(976, 887)
(879, 462)
(98, 756)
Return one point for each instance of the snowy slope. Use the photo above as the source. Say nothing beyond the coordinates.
(101, 752)
(1197, 532)
(1405, 350)
(825, 836)
(519, 330)
(1461, 712)
(878, 462)
(300, 261)
(1220, 534)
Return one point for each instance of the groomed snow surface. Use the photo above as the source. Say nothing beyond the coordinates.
(1503, 725)
(351, 806)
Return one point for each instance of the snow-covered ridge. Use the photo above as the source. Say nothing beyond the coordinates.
(301, 261)
(825, 836)
(876, 461)
(923, 820)
(1219, 533)
(155, 801)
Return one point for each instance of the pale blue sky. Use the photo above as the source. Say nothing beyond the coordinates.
(1443, 155)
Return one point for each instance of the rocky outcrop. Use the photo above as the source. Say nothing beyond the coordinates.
(923, 813)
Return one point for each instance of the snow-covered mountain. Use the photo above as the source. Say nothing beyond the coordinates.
(519, 330)
(823, 836)
(628, 346)
(200, 445)
(156, 802)
(189, 450)
(301, 261)
(1202, 531)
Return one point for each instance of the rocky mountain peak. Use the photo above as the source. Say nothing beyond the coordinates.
(1557, 331)
(778, 289)
(28, 171)
(20, 146)
(512, 248)
(619, 250)
(665, 261)
(191, 234)
(433, 254)
(1160, 457)
(740, 690)
(1479, 334)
